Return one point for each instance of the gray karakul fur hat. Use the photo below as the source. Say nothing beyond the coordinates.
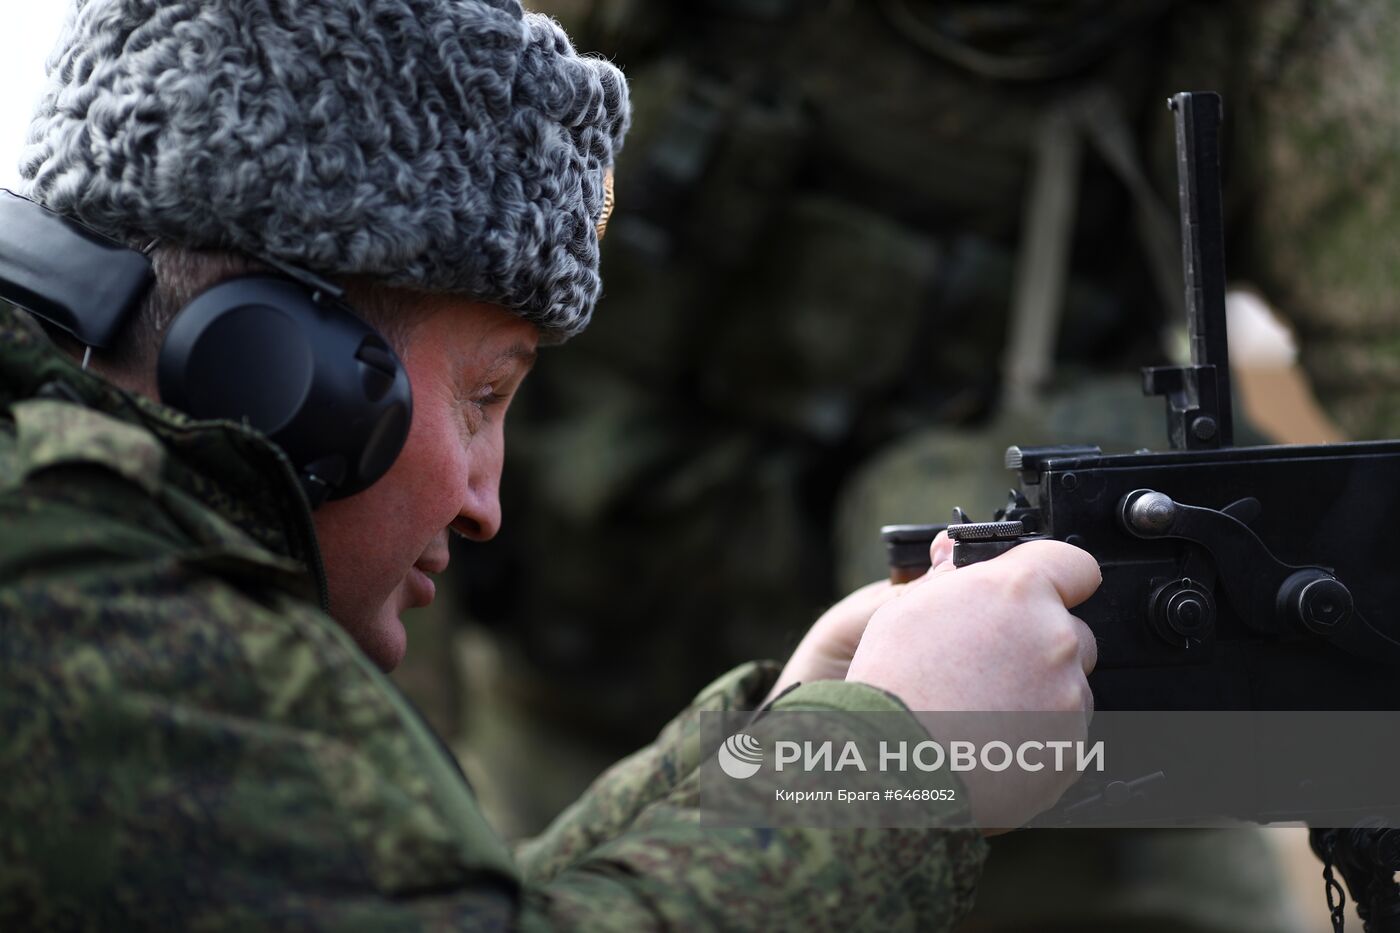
(457, 146)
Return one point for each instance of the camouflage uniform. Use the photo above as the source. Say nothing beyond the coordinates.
(190, 742)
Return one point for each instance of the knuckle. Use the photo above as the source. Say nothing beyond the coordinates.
(1064, 640)
(1021, 582)
(1088, 641)
(1072, 696)
(1071, 563)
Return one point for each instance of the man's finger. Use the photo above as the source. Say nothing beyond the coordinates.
(1072, 571)
(941, 549)
(940, 553)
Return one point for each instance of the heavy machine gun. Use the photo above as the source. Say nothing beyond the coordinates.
(1234, 578)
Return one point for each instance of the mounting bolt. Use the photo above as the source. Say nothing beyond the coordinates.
(1204, 427)
(1318, 600)
(1069, 482)
(1324, 604)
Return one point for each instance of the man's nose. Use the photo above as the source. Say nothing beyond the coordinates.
(480, 517)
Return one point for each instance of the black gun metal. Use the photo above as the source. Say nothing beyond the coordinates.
(1254, 578)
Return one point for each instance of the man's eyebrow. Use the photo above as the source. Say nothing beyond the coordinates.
(519, 351)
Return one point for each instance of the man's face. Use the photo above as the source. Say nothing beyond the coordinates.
(465, 362)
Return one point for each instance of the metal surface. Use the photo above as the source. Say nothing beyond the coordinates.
(1199, 413)
(985, 531)
(1257, 578)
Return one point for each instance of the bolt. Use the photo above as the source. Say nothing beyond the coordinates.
(1324, 604)
(1152, 513)
(1203, 427)
(1069, 482)
(1186, 613)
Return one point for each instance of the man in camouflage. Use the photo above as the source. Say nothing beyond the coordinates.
(198, 728)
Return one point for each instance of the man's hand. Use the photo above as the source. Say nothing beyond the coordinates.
(826, 650)
(992, 636)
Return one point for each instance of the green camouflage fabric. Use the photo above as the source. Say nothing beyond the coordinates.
(189, 742)
(1326, 196)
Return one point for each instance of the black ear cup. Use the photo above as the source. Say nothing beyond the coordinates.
(280, 354)
(297, 366)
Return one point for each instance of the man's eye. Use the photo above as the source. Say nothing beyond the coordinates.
(487, 404)
(490, 400)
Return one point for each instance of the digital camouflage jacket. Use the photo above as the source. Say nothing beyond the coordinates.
(188, 741)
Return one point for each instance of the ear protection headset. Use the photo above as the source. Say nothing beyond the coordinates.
(281, 352)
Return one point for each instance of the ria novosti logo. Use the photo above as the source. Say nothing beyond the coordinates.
(740, 756)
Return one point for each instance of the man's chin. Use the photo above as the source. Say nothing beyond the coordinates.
(385, 640)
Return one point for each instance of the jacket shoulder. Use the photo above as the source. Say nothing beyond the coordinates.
(50, 433)
(186, 724)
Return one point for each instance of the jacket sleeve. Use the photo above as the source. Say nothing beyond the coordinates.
(637, 834)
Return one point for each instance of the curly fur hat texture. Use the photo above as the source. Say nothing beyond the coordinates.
(452, 146)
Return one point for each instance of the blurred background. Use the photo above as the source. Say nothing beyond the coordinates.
(860, 248)
(29, 32)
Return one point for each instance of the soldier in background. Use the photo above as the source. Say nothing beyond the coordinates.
(1001, 209)
(813, 177)
(1322, 226)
